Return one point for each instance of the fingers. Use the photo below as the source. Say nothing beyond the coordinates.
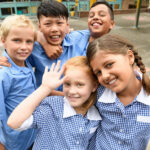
(57, 53)
(55, 67)
(46, 69)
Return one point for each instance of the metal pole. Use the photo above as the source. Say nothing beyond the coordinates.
(149, 6)
(138, 8)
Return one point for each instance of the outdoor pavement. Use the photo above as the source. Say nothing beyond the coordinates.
(124, 26)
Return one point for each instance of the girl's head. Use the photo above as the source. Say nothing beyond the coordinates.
(112, 59)
(80, 84)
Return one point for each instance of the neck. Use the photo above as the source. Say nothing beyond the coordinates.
(128, 95)
(80, 111)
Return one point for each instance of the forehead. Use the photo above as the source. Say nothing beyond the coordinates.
(52, 18)
(21, 31)
(98, 8)
(72, 71)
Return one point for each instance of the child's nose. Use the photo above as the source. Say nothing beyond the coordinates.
(72, 90)
(105, 75)
(24, 45)
(96, 16)
(54, 28)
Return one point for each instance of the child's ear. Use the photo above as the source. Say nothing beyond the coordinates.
(112, 24)
(131, 57)
(3, 40)
(39, 26)
(95, 87)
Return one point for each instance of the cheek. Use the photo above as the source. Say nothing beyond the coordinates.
(31, 48)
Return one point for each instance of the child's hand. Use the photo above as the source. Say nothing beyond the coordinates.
(51, 79)
(52, 51)
(4, 62)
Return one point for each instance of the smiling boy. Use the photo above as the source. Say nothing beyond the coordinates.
(17, 82)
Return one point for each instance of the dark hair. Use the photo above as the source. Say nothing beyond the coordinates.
(118, 45)
(52, 8)
(111, 12)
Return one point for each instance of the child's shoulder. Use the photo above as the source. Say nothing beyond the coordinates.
(52, 103)
(5, 71)
(80, 33)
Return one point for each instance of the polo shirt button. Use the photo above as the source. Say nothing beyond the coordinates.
(77, 142)
(120, 130)
(119, 142)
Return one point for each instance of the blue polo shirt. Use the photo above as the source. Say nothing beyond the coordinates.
(16, 83)
(122, 127)
(74, 44)
(60, 127)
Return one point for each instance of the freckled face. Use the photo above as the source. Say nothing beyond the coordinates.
(77, 86)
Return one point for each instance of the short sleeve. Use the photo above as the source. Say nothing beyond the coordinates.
(42, 112)
(4, 89)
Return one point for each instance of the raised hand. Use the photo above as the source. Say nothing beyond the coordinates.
(52, 79)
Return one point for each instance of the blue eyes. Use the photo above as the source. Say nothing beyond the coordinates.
(107, 66)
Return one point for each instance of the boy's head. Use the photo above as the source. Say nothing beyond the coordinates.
(53, 21)
(100, 19)
(18, 34)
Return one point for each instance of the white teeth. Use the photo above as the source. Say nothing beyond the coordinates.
(96, 24)
(111, 82)
(55, 37)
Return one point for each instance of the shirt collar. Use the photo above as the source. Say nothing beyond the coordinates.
(67, 41)
(109, 96)
(15, 69)
(69, 111)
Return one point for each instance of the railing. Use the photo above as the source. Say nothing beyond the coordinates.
(22, 7)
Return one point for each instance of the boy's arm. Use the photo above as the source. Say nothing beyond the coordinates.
(51, 80)
(52, 51)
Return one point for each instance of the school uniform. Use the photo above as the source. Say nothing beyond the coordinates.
(16, 83)
(74, 44)
(122, 127)
(60, 127)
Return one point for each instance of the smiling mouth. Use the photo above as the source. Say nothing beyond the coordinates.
(96, 24)
(55, 37)
(73, 98)
(112, 82)
(23, 54)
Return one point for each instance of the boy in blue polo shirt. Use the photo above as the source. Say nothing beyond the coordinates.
(53, 23)
(100, 22)
(17, 82)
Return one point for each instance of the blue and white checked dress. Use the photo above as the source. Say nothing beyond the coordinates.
(61, 128)
(122, 127)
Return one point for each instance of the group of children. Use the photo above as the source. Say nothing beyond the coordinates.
(100, 102)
